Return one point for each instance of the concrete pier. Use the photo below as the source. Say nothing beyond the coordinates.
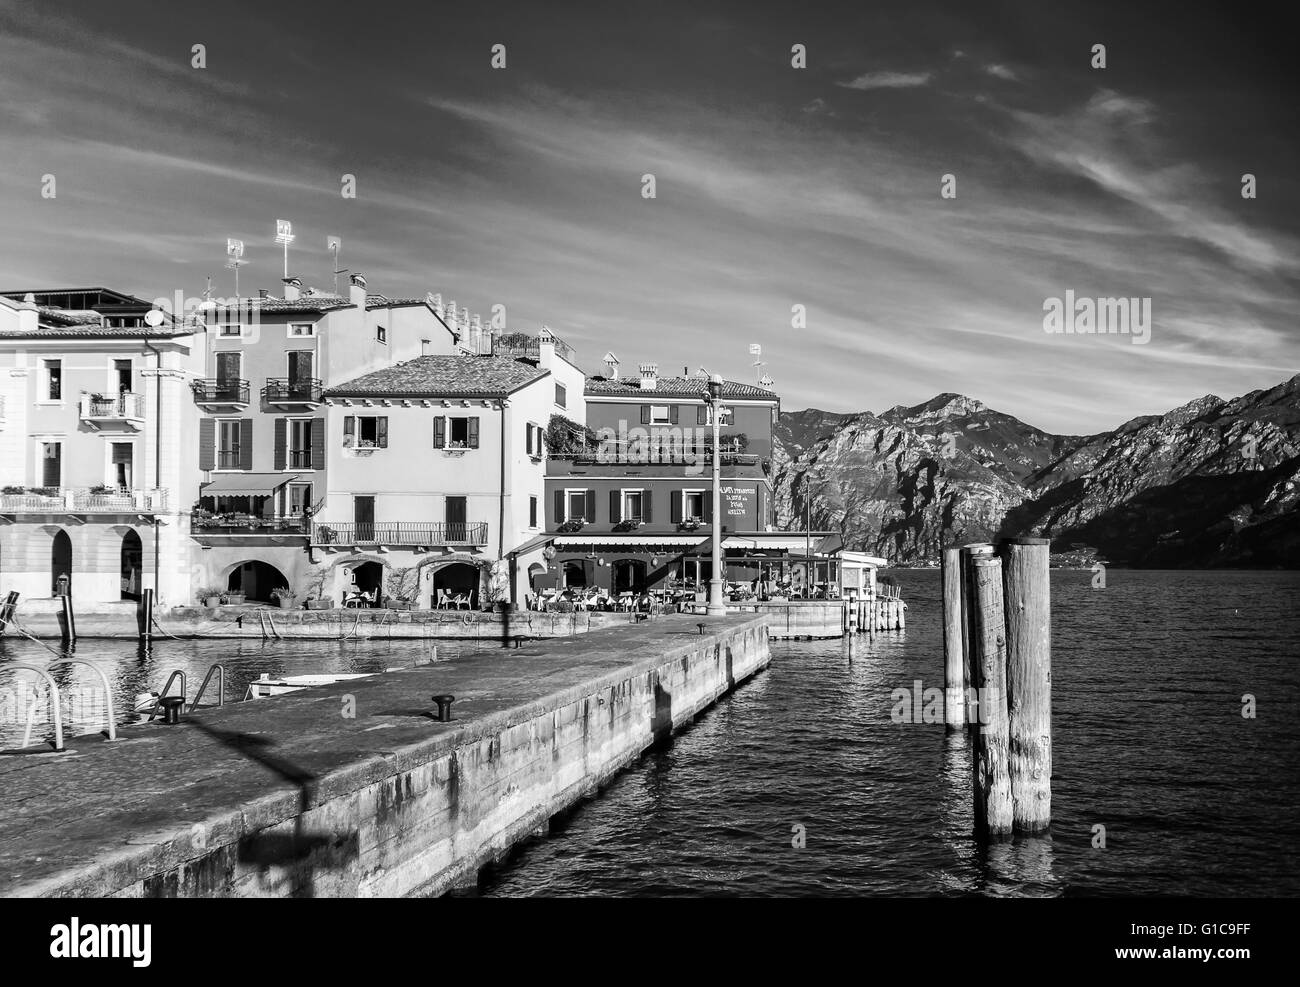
(354, 789)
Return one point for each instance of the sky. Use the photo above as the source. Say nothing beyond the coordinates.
(778, 190)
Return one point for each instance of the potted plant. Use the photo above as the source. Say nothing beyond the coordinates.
(689, 524)
(210, 596)
(283, 596)
(316, 600)
(233, 597)
(570, 526)
(102, 488)
(630, 524)
(397, 593)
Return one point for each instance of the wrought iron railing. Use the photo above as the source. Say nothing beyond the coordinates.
(281, 390)
(220, 390)
(400, 533)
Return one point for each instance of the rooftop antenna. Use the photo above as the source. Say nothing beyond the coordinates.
(756, 351)
(335, 244)
(235, 258)
(284, 235)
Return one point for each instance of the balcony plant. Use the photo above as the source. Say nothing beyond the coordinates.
(283, 596)
(630, 524)
(570, 526)
(102, 488)
(689, 524)
(13, 490)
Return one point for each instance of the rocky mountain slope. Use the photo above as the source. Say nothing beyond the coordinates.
(1211, 483)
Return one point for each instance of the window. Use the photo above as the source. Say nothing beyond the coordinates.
(302, 330)
(692, 505)
(561, 396)
(298, 499)
(121, 455)
(365, 432)
(451, 432)
(300, 443)
(659, 414)
(532, 512)
(381, 334)
(575, 504)
(54, 380)
(228, 441)
(703, 415)
(533, 439)
(231, 329)
(52, 464)
(633, 501)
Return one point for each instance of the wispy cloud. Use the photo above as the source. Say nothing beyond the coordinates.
(887, 80)
(1002, 72)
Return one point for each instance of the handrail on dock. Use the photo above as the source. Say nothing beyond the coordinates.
(220, 669)
(108, 690)
(157, 703)
(54, 699)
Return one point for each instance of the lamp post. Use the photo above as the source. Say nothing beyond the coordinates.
(717, 606)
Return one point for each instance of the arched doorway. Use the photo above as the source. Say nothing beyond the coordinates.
(459, 579)
(629, 576)
(368, 578)
(60, 561)
(575, 574)
(132, 565)
(256, 580)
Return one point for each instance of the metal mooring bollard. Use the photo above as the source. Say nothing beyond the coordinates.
(171, 708)
(444, 707)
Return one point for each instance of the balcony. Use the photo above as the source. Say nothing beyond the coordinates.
(70, 500)
(238, 523)
(292, 392)
(430, 534)
(221, 393)
(125, 409)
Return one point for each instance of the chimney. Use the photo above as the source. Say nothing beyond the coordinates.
(292, 289)
(436, 301)
(357, 291)
(649, 376)
(476, 334)
(449, 317)
(28, 317)
(263, 293)
(611, 366)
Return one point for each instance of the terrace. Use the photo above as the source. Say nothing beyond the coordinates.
(126, 408)
(221, 393)
(79, 500)
(430, 534)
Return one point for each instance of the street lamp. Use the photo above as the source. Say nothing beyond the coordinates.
(717, 606)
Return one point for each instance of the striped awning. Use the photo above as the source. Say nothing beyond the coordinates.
(646, 543)
(245, 484)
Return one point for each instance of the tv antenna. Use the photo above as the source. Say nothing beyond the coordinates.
(334, 244)
(284, 235)
(235, 258)
(756, 351)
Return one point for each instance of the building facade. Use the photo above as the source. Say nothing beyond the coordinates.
(96, 447)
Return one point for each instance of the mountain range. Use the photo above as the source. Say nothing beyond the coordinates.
(1212, 483)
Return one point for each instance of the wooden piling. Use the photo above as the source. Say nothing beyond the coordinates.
(146, 615)
(954, 660)
(993, 807)
(69, 620)
(1026, 582)
(969, 553)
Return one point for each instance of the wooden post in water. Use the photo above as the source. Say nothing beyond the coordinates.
(902, 612)
(969, 553)
(146, 615)
(993, 807)
(69, 621)
(1025, 575)
(954, 660)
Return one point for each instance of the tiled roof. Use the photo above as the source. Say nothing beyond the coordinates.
(311, 304)
(381, 301)
(67, 323)
(673, 387)
(443, 376)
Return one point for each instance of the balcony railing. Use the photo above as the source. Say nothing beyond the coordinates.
(299, 459)
(431, 533)
(127, 406)
(292, 390)
(237, 523)
(62, 500)
(227, 459)
(226, 391)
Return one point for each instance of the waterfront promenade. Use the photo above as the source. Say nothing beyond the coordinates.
(354, 789)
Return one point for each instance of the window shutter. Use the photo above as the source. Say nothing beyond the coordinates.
(381, 431)
(528, 438)
(646, 517)
(245, 443)
(207, 443)
(559, 507)
(708, 508)
(615, 507)
(281, 426)
(439, 431)
(472, 432)
(645, 414)
(673, 414)
(701, 415)
(676, 507)
(318, 443)
(349, 429)
(591, 506)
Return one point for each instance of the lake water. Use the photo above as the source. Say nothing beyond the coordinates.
(1148, 677)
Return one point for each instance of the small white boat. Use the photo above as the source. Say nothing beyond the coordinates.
(264, 686)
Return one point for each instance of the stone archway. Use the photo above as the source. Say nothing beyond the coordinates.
(60, 561)
(131, 564)
(255, 579)
(446, 577)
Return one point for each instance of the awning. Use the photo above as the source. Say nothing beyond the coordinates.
(764, 543)
(245, 484)
(646, 543)
(532, 545)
